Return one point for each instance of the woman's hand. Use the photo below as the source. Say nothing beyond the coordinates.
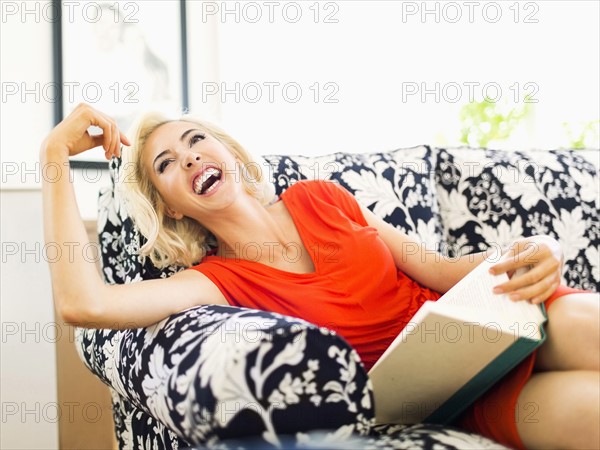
(71, 136)
(540, 259)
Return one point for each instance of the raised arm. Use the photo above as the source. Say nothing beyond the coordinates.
(80, 295)
(541, 254)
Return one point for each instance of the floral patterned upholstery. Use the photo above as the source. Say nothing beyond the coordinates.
(216, 376)
(216, 372)
(491, 197)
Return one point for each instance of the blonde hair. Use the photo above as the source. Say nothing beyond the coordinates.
(170, 241)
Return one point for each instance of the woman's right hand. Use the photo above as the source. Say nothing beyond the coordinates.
(71, 136)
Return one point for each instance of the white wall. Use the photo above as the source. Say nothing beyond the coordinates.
(28, 372)
(30, 411)
(376, 48)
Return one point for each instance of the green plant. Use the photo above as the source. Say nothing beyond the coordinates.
(485, 121)
(582, 134)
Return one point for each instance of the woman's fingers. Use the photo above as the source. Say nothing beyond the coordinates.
(551, 282)
(125, 140)
(521, 254)
(535, 285)
(111, 136)
(542, 257)
(72, 136)
(97, 140)
(521, 280)
(109, 131)
(99, 121)
(115, 139)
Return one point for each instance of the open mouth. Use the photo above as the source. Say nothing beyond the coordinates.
(207, 181)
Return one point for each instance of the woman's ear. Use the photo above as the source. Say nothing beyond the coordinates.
(173, 214)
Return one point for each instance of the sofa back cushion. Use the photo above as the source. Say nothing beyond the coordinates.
(456, 200)
(491, 197)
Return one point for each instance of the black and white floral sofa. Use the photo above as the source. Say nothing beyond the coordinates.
(224, 377)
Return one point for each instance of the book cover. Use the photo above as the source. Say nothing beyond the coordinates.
(453, 350)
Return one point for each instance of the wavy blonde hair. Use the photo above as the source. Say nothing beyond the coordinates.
(170, 241)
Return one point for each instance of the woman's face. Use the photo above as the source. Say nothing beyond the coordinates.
(194, 173)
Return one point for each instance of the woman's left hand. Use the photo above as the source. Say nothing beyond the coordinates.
(543, 257)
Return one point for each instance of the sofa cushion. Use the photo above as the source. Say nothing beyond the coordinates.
(218, 372)
(397, 185)
(491, 197)
(419, 436)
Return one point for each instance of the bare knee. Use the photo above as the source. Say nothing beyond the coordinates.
(567, 410)
(573, 328)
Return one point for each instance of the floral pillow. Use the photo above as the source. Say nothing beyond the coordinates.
(397, 185)
(215, 372)
(120, 240)
(491, 197)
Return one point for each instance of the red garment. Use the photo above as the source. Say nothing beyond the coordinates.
(356, 289)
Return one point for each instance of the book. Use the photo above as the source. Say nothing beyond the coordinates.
(453, 350)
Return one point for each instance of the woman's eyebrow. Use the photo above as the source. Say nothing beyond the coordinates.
(160, 155)
(186, 133)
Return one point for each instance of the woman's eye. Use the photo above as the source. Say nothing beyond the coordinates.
(163, 165)
(197, 137)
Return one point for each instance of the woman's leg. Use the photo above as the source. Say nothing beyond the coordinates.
(560, 409)
(573, 329)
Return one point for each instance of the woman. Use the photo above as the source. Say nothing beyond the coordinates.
(185, 173)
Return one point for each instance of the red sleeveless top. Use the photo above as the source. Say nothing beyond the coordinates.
(355, 290)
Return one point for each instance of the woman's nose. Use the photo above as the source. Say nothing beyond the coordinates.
(191, 159)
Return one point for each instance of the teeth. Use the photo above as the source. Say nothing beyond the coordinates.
(205, 176)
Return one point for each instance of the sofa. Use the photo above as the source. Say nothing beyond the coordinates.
(225, 377)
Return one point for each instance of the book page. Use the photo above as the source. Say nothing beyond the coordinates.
(475, 291)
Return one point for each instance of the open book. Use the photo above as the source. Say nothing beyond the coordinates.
(453, 350)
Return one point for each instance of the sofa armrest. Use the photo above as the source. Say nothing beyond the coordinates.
(217, 372)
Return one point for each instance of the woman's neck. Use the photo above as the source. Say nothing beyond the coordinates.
(248, 229)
